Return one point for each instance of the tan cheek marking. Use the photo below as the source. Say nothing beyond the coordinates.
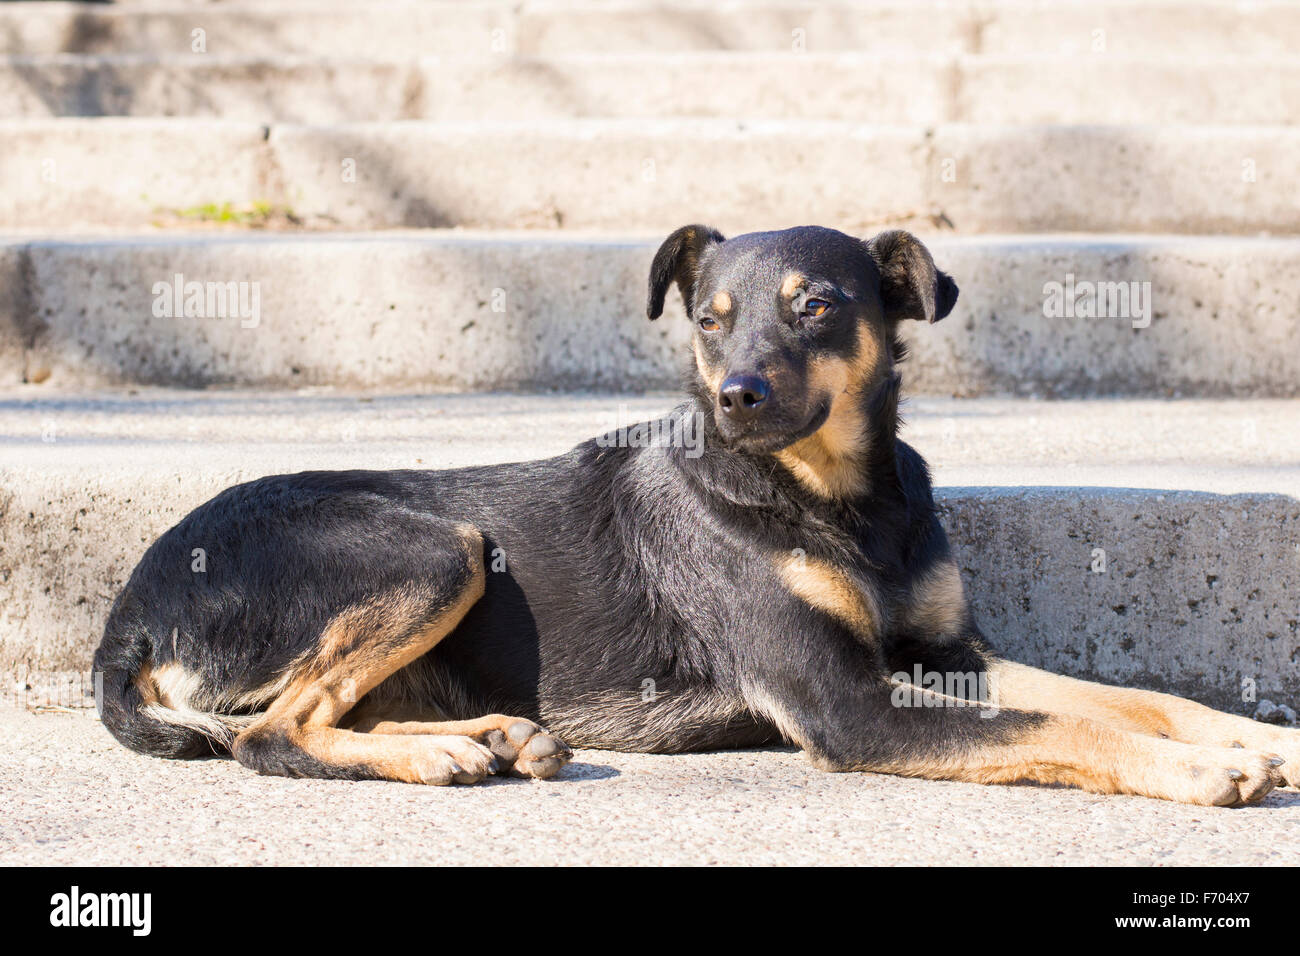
(938, 603)
(722, 303)
(712, 376)
(829, 462)
(793, 282)
(829, 589)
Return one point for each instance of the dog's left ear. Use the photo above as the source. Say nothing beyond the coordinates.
(678, 260)
(910, 286)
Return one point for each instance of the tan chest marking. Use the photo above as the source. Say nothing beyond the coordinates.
(833, 591)
(937, 605)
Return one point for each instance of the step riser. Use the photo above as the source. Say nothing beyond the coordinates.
(1198, 591)
(891, 89)
(480, 313)
(655, 175)
(449, 28)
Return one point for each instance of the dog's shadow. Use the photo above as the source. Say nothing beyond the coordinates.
(587, 771)
(576, 772)
(1278, 799)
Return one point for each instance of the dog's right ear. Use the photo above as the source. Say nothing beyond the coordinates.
(678, 260)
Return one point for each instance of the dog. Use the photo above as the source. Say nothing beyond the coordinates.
(775, 583)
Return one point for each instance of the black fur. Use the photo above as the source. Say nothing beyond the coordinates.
(632, 600)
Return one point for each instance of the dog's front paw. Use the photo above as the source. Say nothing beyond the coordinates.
(1218, 776)
(1284, 742)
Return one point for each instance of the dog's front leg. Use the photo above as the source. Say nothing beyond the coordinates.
(847, 717)
(1142, 711)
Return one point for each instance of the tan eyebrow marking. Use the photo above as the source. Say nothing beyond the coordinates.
(722, 303)
(792, 284)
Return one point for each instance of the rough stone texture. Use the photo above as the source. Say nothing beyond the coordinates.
(607, 174)
(519, 310)
(412, 28)
(72, 795)
(1198, 592)
(1197, 596)
(78, 175)
(598, 174)
(1224, 319)
(903, 88)
(1090, 88)
(253, 89)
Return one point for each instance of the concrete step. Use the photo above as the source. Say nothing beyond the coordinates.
(464, 310)
(494, 27)
(653, 174)
(902, 88)
(1196, 506)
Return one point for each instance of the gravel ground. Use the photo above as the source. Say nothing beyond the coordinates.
(72, 795)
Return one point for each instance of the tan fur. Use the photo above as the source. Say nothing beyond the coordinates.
(144, 683)
(1065, 750)
(792, 284)
(1079, 752)
(1125, 708)
(937, 604)
(831, 590)
(170, 686)
(477, 727)
(721, 303)
(712, 376)
(176, 688)
(768, 707)
(359, 649)
(172, 695)
(829, 462)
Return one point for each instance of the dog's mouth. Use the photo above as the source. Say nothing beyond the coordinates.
(764, 438)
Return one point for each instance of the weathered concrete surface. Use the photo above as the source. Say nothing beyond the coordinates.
(253, 89)
(606, 174)
(498, 26)
(72, 795)
(905, 88)
(521, 310)
(1195, 504)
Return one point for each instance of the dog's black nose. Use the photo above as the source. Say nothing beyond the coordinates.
(742, 397)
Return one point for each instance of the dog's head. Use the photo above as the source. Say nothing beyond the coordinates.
(795, 333)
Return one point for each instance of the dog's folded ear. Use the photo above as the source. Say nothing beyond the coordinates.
(678, 260)
(910, 285)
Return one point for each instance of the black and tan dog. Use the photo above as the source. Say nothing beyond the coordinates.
(769, 584)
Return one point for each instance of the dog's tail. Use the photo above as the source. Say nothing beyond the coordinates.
(130, 707)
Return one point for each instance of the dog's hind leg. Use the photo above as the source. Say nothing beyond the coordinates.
(1141, 711)
(361, 645)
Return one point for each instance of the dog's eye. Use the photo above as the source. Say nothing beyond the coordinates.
(815, 307)
(709, 324)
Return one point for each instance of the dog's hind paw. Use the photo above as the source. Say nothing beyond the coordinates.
(526, 750)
